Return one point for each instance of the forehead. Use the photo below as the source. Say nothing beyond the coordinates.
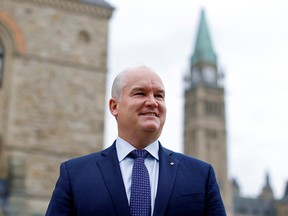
(143, 79)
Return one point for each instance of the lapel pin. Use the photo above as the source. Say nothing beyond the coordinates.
(171, 163)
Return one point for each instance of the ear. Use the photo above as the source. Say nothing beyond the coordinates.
(113, 106)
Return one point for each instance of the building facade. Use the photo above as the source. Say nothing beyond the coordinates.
(265, 204)
(53, 65)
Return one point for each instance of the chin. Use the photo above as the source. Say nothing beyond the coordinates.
(152, 128)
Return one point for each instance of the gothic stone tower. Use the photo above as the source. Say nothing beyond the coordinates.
(53, 64)
(204, 121)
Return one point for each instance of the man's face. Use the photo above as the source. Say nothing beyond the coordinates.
(141, 109)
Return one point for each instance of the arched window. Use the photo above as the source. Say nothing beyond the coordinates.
(1, 62)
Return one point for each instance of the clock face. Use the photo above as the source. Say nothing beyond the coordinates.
(209, 74)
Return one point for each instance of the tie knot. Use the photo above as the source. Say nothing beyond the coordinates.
(139, 153)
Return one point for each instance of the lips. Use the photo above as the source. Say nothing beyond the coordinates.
(149, 114)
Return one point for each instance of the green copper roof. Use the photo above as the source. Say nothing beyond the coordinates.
(203, 51)
(100, 3)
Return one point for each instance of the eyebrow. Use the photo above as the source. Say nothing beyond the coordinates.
(161, 91)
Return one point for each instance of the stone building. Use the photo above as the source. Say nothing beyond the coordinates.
(265, 204)
(53, 65)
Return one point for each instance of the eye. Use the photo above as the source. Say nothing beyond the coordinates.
(161, 96)
(139, 93)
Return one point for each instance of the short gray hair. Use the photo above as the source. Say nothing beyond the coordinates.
(120, 81)
(118, 84)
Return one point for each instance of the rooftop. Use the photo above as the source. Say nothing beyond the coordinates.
(100, 3)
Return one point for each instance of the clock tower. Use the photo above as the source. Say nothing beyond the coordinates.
(204, 120)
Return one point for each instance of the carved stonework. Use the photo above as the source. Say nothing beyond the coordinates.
(76, 6)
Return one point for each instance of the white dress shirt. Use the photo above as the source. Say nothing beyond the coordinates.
(126, 164)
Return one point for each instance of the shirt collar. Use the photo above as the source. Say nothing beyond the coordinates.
(124, 148)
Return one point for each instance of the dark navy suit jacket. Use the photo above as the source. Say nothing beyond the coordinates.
(92, 185)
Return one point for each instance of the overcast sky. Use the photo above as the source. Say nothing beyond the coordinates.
(250, 39)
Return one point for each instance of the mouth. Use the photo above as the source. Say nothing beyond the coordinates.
(150, 114)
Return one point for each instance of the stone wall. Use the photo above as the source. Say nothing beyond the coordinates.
(55, 94)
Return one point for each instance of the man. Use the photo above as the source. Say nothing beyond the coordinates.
(100, 183)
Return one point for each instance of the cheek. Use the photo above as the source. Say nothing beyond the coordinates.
(136, 105)
(129, 110)
(162, 108)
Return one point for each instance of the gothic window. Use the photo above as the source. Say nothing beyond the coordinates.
(211, 133)
(213, 108)
(84, 36)
(193, 109)
(1, 62)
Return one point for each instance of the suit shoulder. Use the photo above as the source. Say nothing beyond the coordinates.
(81, 160)
(194, 165)
(87, 159)
(183, 158)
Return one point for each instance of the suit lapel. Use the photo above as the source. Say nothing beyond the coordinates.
(168, 167)
(111, 172)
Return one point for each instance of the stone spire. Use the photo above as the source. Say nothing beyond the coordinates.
(203, 52)
(267, 192)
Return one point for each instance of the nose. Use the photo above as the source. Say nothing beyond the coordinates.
(151, 101)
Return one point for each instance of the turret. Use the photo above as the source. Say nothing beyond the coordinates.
(267, 192)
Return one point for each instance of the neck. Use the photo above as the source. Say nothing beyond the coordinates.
(138, 142)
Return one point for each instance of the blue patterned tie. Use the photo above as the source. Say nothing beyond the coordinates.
(140, 199)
